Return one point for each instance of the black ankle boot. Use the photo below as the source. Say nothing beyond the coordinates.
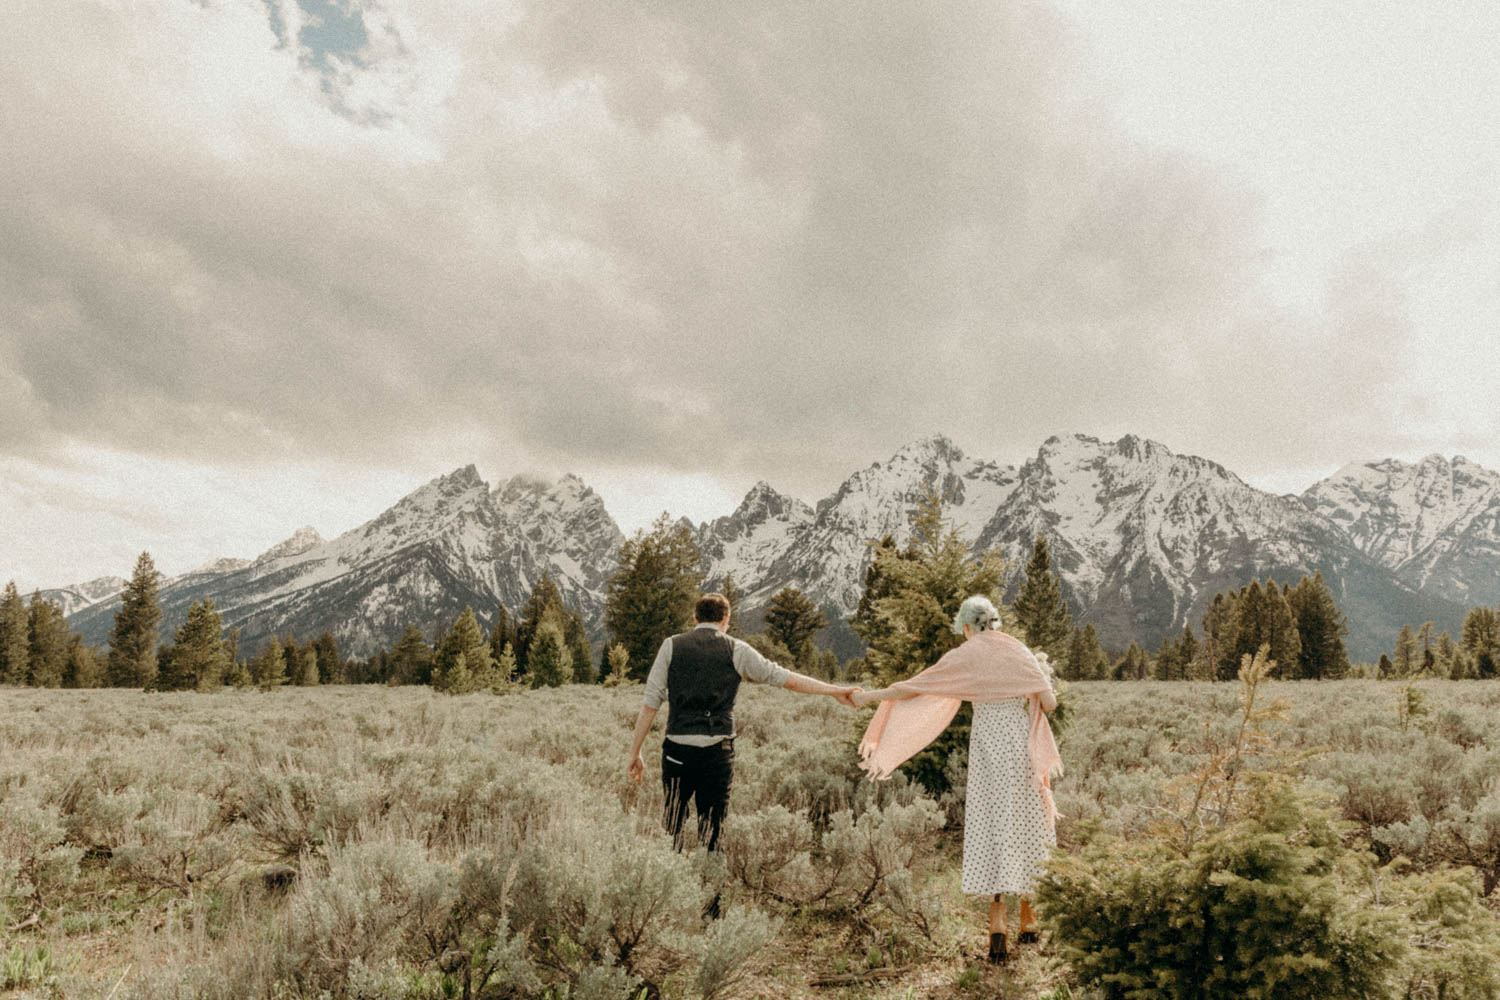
(999, 954)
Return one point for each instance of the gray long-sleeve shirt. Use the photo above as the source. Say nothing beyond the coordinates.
(748, 663)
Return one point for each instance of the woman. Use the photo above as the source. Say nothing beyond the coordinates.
(1009, 818)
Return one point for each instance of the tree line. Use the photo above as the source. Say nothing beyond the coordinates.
(1424, 652)
(650, 597)
(909, 596)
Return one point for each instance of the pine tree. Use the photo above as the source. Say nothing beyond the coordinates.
(1040, 608)
(1262, 616)
(1481, 640)
(465, 639)
(239, 675)
(865, 622)
(1070, 666)
(411, 659)
(502, 633)
(1249, 625)
(84, 668)
(456, 676)
(1131, 666)
(652, 594)
(165, 672)
(545, 597)
(1187, 651)
(311, 674)
(269, 668)
(1427, 646)
(1405, 659)
(731, 592)
(1385, 668)
(505, 669)
(50, 642)
(575, 636)
(551, 661)
(1086, 659)
(1281, 631)
(619, 665)
(922, 589)
(15, 637)
(793, 619)
(330, 663)
(1321, 628)
(1449, 657)
(134, 638)
(200, 659)
(1167, 664)
(1219, 639)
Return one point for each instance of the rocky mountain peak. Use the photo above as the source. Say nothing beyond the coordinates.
(935, 449)
(1141, 536)
(224, 565)
(302, 540)
(522, 487)
(765, 501)
(75, 597)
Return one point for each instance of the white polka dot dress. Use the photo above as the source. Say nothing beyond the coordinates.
(1006, 834)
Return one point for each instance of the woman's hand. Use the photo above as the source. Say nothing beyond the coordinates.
(862, 698)
(845, 696)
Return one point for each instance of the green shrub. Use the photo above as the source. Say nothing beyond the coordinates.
(1258, 909)
(1454, 938)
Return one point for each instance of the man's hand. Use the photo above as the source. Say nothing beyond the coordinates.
(845, 696)
(634, 766)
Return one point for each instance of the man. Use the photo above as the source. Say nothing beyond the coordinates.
(698, 674)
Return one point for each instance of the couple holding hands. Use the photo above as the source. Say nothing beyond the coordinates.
(1009, 821)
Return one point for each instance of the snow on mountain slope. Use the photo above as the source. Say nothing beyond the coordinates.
(448, 544)
(1436, 522)
(75, 597)
(825, 554)
(1142, 537)
(748, 542)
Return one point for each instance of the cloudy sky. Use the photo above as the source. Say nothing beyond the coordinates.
(274, 262)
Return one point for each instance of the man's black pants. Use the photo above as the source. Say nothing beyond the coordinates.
(702, 776)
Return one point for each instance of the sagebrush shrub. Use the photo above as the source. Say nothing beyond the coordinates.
(36, 866)
(727, 946)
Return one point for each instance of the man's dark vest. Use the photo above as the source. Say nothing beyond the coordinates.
(701, 684)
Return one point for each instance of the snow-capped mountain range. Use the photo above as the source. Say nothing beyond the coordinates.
(1142, 537)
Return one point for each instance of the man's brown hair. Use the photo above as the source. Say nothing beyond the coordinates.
(711, 608)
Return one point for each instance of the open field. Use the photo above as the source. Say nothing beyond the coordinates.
(393, 842)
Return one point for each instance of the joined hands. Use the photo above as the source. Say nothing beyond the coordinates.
(845, 696)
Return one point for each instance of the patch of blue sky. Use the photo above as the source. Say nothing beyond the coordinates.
(332, 29)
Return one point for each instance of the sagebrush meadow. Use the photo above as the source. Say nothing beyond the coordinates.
(395, 842)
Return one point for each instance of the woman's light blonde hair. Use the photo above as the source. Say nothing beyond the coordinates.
(977, 611)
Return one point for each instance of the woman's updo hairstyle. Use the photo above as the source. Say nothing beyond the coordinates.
(978, 612)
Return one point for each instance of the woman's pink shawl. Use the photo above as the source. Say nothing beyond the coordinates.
(989, 666)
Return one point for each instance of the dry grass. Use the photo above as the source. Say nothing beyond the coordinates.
(143, 835)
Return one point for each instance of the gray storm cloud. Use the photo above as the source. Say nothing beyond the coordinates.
(605, 233)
